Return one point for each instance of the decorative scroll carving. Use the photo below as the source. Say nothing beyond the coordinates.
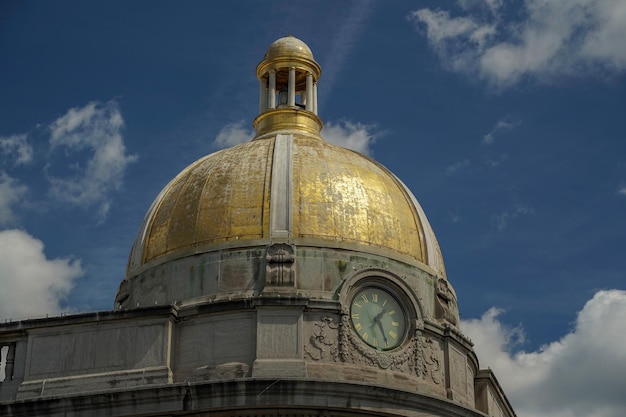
(280, 269)
(333, 341)
(432, 361)
(445, 307)
(323, 343)
(409, 359)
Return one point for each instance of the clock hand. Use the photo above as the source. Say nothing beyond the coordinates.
(380, 324)
(379, 315)
(382, 331)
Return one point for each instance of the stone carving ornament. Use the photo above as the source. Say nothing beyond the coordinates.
(333, 341)
(432, 361)
(445, 307)
(323, 343)
(280, 269)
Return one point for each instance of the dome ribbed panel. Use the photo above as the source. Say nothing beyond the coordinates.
(433, 251)
(339, 195)
(222, 197)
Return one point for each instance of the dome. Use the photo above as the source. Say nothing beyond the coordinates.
(333, 197)
(285, 212)
(288, 46)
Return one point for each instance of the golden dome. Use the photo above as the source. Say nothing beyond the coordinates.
(333, 197)
(286, 186)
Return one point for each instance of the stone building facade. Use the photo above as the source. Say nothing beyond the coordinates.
(280, 277)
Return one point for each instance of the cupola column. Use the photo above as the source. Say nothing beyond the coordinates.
(262, 95)
(271, 94)
(291, 88)
(309, 92)
(315, 98)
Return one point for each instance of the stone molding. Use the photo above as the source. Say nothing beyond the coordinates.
(249, 397)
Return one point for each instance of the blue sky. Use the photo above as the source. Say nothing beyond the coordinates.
(505, 118)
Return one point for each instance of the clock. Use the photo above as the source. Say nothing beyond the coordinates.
(378, 318)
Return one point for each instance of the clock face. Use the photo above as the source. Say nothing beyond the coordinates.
(378, 318)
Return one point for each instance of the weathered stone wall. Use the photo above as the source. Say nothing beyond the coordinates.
(313, 272)
(275, 336)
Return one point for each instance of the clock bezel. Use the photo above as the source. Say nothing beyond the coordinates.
(396, 296)
(392, 283)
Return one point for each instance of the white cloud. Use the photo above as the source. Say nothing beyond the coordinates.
(582, 374)
(11, 193)
(621, 190)
(441, 27)
(96, 128)
(32, 285)
(457, 40)
(355, 136)
(501, 126)
(502, 220)
(18, 147)
(457, 166)
(553, 38)
(233, 134)
(606, 42)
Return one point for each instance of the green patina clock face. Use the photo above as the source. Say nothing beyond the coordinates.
(378, 318)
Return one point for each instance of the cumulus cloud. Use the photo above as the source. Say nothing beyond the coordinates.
(552, 38)
(582, 374)
(32, 285)
(95, 128)
(356, 136)
(457, 40)
(457, 166)
(11, 193)
(17, 147)
(233, 134)
(501, 126)
(502, 220)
